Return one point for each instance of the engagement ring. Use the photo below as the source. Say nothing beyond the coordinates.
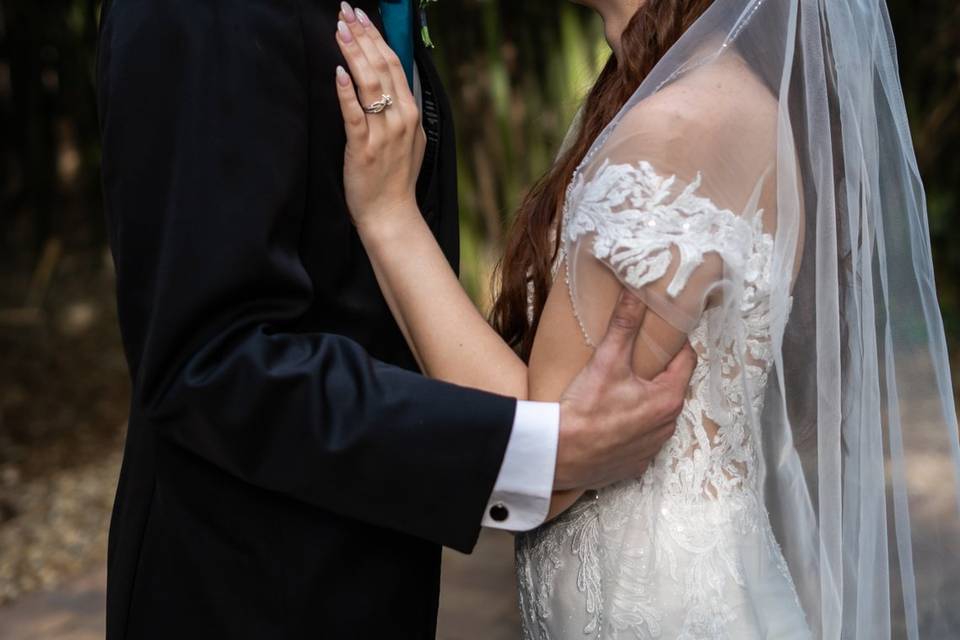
(380, 105)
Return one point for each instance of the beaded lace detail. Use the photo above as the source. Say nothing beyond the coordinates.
(675, 553)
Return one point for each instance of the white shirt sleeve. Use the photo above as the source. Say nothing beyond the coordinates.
(521, 496)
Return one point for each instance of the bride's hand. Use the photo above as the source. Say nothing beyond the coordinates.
(384, 150)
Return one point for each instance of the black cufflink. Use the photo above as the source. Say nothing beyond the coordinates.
(499, 512)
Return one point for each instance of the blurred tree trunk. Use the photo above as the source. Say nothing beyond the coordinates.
(516, 73)
(49, 185)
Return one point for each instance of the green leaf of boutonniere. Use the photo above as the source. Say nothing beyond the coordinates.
(424, 29)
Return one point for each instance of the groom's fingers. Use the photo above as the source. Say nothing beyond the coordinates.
(677, 375)
(354, 119)
(615, 351)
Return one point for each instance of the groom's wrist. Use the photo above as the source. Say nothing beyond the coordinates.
(572, 451)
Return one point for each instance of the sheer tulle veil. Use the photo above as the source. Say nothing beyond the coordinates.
(860, 451)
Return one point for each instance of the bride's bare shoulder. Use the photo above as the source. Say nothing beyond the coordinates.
(720, 105)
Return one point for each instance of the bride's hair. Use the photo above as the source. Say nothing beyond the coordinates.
(534, 239)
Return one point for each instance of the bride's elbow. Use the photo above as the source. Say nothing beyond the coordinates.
(508, 384)
(516, 388)
(511, 382)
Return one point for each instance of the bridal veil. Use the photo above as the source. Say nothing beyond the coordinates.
(788, 117)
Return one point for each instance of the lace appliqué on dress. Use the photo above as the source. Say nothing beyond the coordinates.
(637, 217)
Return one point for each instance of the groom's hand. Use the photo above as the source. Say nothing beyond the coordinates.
(612, 423)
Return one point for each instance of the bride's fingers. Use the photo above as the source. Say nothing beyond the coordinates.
(354, 118)
(399, 77)
(366, 79)
(362, 30)
(387, 65)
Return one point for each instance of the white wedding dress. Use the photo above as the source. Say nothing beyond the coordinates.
(687, 551)
(760, 193)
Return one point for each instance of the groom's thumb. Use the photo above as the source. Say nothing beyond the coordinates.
(615, 351)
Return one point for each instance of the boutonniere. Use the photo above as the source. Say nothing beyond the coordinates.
(424, 29)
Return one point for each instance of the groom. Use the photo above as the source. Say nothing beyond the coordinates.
(286, 473)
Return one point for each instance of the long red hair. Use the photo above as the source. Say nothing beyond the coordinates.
(532, 245)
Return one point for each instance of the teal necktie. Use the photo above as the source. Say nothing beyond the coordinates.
(398, 24)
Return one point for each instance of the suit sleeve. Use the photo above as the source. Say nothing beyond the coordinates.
(204, 114)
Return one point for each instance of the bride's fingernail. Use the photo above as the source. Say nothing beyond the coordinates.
(348, 13)
(342, 78)
(363, 18)
(344, 30)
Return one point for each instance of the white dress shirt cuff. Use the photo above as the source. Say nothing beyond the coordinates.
(521, 495)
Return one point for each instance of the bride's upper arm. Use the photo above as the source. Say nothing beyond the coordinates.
(561, 348)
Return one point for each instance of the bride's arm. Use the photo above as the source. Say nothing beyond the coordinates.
(452, 340)
(448, 335)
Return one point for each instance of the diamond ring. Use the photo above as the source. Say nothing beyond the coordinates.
(380, 105)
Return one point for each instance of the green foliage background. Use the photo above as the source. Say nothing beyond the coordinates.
(516, 73)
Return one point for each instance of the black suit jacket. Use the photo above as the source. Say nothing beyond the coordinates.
(280, 479)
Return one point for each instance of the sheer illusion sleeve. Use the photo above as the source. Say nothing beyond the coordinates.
(666, 213)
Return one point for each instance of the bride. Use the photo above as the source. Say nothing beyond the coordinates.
(743, 169)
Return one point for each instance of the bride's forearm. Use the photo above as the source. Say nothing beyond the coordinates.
(450, 338)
